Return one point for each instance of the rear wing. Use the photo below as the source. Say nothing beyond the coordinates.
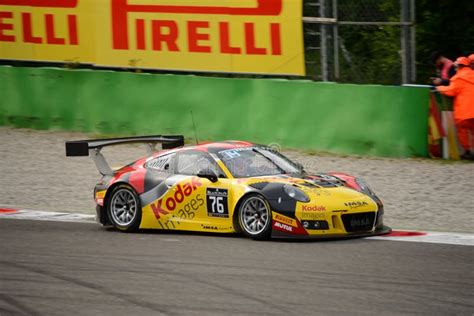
(92, 147)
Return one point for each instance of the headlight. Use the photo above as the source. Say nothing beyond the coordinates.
(296, 194)
(363, 186)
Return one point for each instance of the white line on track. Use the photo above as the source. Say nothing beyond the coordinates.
(435, 238)
(46, 216)
(412, 236)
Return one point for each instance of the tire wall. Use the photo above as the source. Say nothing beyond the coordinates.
(340, 118)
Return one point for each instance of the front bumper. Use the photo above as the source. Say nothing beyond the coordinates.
(382, 230)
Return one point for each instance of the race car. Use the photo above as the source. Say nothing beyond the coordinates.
(228, 187)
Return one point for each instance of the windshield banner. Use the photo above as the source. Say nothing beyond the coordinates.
(235, 36)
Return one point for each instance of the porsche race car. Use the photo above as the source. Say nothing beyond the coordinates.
(228, 187)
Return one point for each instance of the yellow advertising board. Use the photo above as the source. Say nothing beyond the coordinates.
(239, 36)
(48, 30)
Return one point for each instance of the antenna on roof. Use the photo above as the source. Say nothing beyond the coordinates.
(194, 126)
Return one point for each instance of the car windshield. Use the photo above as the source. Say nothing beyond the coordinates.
(256, 161)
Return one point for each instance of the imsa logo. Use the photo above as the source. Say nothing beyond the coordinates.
(210, 227)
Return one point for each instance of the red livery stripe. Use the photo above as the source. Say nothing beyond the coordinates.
(137, 180)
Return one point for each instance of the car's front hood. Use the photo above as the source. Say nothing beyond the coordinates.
(337, 199)
(326, 194)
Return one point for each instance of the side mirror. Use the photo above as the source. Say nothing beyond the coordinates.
(208, 174)
(299, 166)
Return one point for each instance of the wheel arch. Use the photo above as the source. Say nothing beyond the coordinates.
(104, 213)
(235, 215)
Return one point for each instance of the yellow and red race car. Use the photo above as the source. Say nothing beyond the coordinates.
(228, 187)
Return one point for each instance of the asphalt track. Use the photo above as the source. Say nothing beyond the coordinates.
(54, 268)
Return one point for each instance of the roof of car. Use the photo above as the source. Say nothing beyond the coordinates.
(219, 146)
(213, 147)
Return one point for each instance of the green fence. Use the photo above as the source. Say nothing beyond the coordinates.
(341, 118)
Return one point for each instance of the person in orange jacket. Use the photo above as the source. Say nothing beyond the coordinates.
(471, 59)
(461, 87)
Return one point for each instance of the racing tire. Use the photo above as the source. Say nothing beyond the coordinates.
(124, 209)
(255, 217)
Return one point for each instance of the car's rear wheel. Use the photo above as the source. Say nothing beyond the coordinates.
(124, 208)
(255, 217)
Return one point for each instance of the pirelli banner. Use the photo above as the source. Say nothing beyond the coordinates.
(238, 36)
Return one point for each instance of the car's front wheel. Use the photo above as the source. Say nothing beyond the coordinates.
(124, 208)
(255, 217)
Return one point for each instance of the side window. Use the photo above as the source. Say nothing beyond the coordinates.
(192, 162)
(162, 163)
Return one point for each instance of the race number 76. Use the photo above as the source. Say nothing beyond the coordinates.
(217, 204)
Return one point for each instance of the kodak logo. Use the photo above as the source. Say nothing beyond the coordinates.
(314, 208)
(168, 205)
